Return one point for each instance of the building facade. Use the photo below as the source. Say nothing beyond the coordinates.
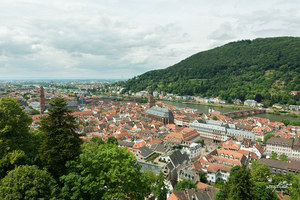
(160, 114)
(279, 146)
(219, 131)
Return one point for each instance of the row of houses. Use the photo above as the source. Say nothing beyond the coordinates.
(218, 163)
(219, 131)
(279, 167)
(286, 107)
(288, 147)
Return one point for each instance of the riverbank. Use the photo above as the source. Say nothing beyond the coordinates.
(238, 107)
(204, 109)
(285, 113)
(230, 106)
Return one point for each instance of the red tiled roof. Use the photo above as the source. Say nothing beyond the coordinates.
(173, 197)
(202, 185)
(230, 145)
(216, 167)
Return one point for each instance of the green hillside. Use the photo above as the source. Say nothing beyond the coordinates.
(244, 69)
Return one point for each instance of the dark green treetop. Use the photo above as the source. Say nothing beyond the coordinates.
(28, 182)
(60, 141)
(104, 171)
(184, 184)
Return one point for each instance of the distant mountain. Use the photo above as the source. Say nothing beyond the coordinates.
(267, 68)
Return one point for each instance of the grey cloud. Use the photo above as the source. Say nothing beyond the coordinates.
(13, 43)
(117, 38)
(10, 48)
(270, 23)
(224, 32)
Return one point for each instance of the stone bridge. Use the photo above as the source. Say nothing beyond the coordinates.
(244, 113)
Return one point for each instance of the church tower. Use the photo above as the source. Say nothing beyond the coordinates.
(151, 101)
(42, 100)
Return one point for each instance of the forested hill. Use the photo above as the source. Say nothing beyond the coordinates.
(242, 69)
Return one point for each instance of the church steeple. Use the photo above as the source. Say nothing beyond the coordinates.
(151, 101)
(42, 100)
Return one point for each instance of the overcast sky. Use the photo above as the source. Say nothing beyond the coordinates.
(124, 38)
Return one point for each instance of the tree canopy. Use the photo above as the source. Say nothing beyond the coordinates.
(112, 140)
(283, 157)
(259, 173)
(14, 135)
(28, 182)
(267, 137)
(273, 156)
(155, 184)
(295, 187)
(263, 192)
(60, 141)
(238, 186)
(104, 171)
(14, 126)
(184, 184)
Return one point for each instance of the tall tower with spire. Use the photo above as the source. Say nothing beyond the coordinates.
(42, 100)
(151, 101)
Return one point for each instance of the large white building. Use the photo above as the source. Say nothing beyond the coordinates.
(279, 146)
(288, 147)
(219, 131)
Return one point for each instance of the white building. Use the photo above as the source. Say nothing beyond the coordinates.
(193, 150)
(216, 172)
(279, 146)
(219, 131)
(251, 103)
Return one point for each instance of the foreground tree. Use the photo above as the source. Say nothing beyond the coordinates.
(160, 190)
(112, 140)
(184, 184)
(259, 173)
(155, 184)
(14, 135)
(60, 142)
(239, 185)
(28, 182)
(223, 193)
(14, 126)
(294, 189)
(277, 178)
(263, 192)
(10, 160)
(104, 172)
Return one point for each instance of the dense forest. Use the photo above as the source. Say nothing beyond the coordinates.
(267, 69)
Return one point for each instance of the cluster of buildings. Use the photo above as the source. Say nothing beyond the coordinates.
(217, 100)
(166, 138)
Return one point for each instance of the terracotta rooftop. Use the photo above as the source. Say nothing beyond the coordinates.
(216, 167)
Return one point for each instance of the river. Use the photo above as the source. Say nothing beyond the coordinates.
(204, 109)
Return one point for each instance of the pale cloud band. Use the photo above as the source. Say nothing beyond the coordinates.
(121, 39)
